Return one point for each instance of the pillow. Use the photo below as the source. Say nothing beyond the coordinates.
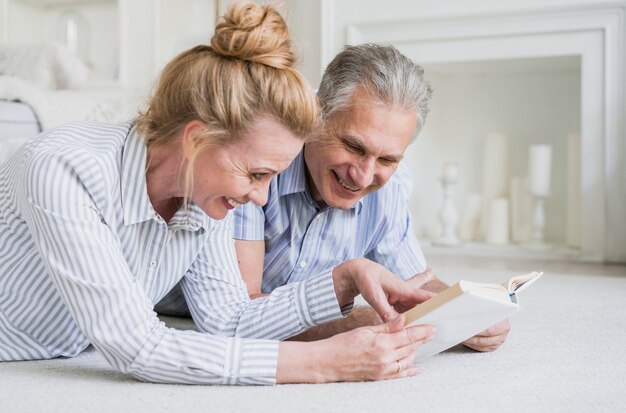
(46, 65)
(17, 121)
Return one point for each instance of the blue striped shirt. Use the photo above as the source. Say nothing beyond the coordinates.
(301, 239)
(84, 257)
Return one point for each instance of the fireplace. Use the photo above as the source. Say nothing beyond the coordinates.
(539, 76)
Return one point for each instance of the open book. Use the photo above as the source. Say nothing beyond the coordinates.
(466, 309)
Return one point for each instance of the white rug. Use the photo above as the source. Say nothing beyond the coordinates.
(566, 352)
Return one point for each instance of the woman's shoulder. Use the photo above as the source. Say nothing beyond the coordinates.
(98, 138)
(86, 142)
(91, 152)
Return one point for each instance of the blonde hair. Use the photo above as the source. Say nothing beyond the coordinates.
(247, 71)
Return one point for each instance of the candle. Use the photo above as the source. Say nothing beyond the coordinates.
(496, 174)
(521, 207)
(450, 171)
(498, 224)
(539, 165)
(468, 230)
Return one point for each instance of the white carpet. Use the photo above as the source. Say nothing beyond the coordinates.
(566, 352)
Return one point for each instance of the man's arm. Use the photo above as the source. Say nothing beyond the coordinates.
(250, 256)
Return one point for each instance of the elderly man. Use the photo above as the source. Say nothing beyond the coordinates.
(345, 195)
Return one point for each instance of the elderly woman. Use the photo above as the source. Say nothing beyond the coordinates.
(99, 222)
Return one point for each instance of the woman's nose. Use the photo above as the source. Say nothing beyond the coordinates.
(259, 195)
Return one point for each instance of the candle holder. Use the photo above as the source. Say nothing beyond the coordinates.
(539, 223)
(448, 215)
(539, 166)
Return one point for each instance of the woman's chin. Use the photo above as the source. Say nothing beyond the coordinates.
(214, 213)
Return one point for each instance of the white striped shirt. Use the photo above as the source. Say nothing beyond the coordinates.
(301, 239)
(84, 257)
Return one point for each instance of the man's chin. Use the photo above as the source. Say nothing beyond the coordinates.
(343, 203)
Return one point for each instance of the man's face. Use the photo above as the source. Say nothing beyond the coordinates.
(357, 152)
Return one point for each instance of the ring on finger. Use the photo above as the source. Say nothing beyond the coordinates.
(399, 367)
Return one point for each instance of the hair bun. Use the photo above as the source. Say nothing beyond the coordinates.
(255, 33)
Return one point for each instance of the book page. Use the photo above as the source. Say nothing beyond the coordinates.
(517, 284)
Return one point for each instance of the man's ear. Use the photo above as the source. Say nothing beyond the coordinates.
(189, 135)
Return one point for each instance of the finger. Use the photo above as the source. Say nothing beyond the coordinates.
(380, 304)
(410, 335)
(392, 326)
(406, 351)
(482, 343)
(399, 367)
(422, 278)
(413, 298)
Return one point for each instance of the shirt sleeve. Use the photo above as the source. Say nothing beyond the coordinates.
(219, 302)
(83, 257)
(398, 248)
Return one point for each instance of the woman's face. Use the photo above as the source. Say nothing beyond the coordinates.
(226, 177)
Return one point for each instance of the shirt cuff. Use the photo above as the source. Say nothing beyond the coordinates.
(316, 301)
(251, 361)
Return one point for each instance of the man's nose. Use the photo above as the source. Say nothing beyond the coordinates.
(364, 172)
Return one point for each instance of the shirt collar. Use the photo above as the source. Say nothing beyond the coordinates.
(135, 200)
(293, 180)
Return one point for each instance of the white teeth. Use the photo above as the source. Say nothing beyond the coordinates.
(345, 185)
(232, 202)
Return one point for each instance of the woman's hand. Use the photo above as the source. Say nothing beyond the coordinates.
(385, 292)
(380, 352)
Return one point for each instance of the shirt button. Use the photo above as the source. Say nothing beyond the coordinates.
(303, 264)
(153, 263)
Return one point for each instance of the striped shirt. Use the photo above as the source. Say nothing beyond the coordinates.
(84, 257)
(301, 239)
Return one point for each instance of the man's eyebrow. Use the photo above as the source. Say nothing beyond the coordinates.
(393, 158)
(354, 141)
(358, 143)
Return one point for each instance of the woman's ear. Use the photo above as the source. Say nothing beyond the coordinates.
(189, 135)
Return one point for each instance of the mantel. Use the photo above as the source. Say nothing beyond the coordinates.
(593, 32)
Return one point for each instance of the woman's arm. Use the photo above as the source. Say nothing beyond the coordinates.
(107, 302)
(219, 303)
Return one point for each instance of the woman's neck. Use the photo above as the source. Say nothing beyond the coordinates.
(163, 179)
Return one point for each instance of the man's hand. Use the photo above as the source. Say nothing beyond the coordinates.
(490, 339)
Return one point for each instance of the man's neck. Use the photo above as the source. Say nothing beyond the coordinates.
(310, 185)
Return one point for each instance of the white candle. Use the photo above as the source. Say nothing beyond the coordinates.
(468, 230)
(496, 174)
(498, 224)
(539, 165)
(521, 207)
(450, 171)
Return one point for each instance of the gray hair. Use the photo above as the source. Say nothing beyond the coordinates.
(383, 73)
